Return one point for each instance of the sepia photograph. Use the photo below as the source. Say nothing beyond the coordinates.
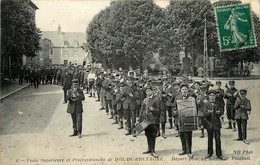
(130, 82)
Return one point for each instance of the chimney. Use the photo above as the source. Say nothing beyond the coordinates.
(59, 29)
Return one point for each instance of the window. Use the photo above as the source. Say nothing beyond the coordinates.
(75, 53)
(65, 53)
(76, 43)
(66, 43)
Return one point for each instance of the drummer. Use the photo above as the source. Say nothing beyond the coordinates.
(185, 136)
(150, 111)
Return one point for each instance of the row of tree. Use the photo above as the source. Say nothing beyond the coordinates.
(128, 33)
(19, 34)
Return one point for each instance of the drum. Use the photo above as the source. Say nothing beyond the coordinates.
(141, 126)
(187, 113)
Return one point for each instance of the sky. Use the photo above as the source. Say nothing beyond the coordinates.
(75, 15)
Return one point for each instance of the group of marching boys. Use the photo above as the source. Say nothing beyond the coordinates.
(130, 98)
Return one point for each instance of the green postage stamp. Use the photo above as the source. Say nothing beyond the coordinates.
(235, 27)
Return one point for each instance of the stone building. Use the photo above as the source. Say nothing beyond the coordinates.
(66, 46)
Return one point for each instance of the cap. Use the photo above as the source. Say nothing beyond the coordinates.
(184, 85)
(218, 82)
(243, 91)
(75, 81)
(211, 91)
(232, 82)
(176, 83)
(197, 82)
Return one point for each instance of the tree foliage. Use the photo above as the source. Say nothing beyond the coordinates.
(19, 33)
(126, 31)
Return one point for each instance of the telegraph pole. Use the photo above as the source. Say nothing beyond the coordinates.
(205, 55)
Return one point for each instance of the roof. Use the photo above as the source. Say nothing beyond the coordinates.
(58, 39)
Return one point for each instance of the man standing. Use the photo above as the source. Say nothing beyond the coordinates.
(231, 98)
(213, 111)
(150, 111)
(186, 136)
(66, 84)
(242, 108)
(75, 97)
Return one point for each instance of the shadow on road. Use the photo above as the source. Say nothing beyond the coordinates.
(29, 110)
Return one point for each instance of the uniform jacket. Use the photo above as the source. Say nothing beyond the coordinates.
(241, 113)
(146, 113)
(75, 105)
(200, 103)
(231, 99)
(220, 96)
(128, 102)
(109, 91)
(212, 119)
(67, 81)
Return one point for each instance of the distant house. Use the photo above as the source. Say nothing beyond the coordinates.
(66, 46)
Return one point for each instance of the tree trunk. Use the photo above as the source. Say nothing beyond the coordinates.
(241, 69)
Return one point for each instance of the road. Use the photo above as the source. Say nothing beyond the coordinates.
(35, 129)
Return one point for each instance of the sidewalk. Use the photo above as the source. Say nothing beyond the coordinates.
(11, 87)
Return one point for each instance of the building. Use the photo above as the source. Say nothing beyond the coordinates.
(66, 46)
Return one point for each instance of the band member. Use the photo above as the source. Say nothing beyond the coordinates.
(220, 97)
(119, 106)
(75, 108)
(185, 136)
(243, 108)
(231, 98)
(150, 110)
(128, 99)
(176, 92)
(201, 99)
(66, 83)
(91, 82)
(213, 111)
(99, 80)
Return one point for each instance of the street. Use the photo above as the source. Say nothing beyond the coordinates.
(35, 129)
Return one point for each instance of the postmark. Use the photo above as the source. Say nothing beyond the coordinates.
(235, 27)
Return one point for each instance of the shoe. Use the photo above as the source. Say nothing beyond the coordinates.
(234, 129)
(158, 134)
(183, 153)
(64, 102)
(79, 135)
(147, 152)
(202, 136)
(74, 134)
(208, 156)
(102, 108)
(170, 127)
(245, 141)
(178, 135)
(128, 133)
(221, 157)
(229, 127)
(111, 117)
(120, 127)
(97, 100)
(190, 155)
(163, 135)
(154, 155)
(238, 139)
(115, 122)
(134, 135)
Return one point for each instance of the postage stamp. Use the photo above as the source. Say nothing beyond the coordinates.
(235, 27)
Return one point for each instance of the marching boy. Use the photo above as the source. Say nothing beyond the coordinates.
(213, 111)
(243, 108)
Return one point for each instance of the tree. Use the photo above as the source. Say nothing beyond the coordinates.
(125, 33)
(185, 27)
(20, 36)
